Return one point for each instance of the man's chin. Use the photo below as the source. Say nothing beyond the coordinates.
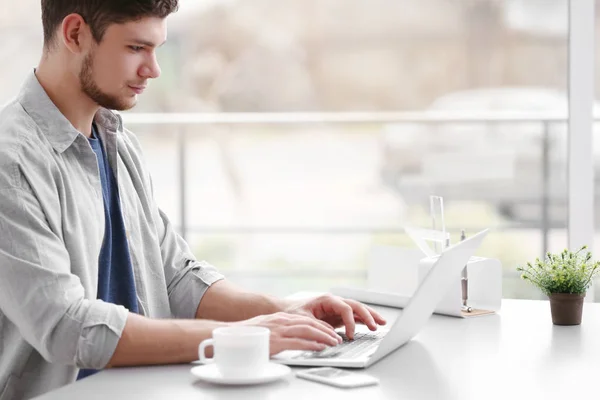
(124, 105)
(127, 107)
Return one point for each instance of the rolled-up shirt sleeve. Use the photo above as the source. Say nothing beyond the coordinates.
(40, 295)
(187, 279)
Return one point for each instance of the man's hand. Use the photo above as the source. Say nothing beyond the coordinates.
(295, 332)
(336, 312)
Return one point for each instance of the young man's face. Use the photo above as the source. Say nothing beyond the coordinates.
(117, 69)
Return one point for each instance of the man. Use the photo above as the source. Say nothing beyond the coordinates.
(92, 274)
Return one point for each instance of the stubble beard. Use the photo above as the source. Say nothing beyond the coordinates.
(91, 89)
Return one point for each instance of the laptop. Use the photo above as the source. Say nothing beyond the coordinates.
(369, 347)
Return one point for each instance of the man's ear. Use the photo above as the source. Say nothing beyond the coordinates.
(75, 33)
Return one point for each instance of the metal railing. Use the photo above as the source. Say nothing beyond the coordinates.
(232, 119)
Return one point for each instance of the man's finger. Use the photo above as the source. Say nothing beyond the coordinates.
(318, 324)
(362, 311)
(342, 309)
(325, 324)
(307, 332)
(378, 318)
(281, 343)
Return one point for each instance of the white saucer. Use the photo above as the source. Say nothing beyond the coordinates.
(271, 372)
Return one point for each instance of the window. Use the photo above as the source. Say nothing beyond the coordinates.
(466, 100)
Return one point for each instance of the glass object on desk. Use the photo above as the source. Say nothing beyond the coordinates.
(437, 236)
(436, 210)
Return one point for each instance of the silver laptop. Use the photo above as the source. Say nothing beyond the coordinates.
(370, 347)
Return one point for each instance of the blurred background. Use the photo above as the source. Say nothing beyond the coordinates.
(465, 99)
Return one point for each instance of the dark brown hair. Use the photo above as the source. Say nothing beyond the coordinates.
(99, 14)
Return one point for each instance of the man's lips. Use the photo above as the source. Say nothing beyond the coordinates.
(137, 89)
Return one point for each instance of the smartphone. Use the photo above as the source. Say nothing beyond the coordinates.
(337, 377)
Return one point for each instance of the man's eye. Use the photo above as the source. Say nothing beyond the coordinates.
(136, 48)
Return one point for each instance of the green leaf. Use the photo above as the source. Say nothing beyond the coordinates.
(565, 272)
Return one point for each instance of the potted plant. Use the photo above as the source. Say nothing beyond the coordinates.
(564, 278)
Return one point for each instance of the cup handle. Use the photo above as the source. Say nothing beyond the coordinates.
(202, 349)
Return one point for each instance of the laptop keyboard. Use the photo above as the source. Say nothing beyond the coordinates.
(362, 343)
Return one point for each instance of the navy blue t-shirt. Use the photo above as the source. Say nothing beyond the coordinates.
(115, 272)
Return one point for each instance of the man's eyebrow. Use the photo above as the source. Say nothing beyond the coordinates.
(146, 43)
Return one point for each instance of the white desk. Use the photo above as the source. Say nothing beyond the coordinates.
(518, 354)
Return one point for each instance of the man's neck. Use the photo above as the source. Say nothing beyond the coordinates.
(64, 90)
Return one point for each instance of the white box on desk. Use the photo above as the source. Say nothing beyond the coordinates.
(394, 274)
(484, 287)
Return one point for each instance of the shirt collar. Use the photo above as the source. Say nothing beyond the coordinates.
(58, 129)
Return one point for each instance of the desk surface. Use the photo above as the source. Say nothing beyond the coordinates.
(517, 354)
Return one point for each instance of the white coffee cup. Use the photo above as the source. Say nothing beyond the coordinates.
(239, 351)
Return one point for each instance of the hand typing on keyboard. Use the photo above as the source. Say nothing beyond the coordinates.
(310, 324)
(338, 312)
(295, 332)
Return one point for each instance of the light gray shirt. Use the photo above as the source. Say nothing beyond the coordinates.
(51, 232)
